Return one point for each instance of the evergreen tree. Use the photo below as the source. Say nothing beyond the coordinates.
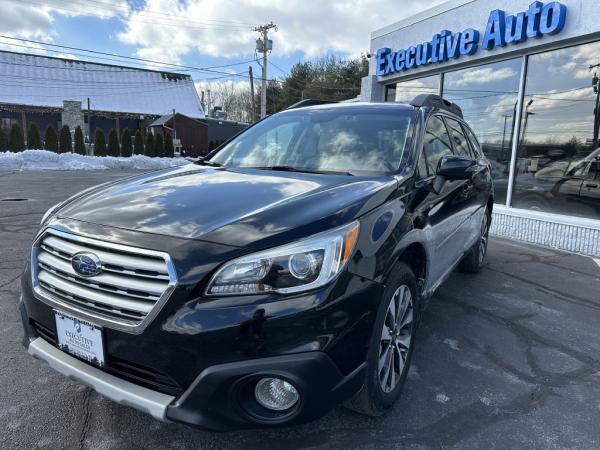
(169, 149)
(149, 147)
(159, 145)
(99, 143)
(34, 141)
(138, 145)
(50, 139)
(16, 141)
(79, 144)
(126, 143)
(65, 144)
(3, 146)
(113, 143)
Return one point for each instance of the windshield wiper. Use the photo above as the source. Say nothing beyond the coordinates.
(301, 169)
(206, 162)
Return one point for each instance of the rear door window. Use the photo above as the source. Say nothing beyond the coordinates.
(474, 143)
(461, 145)
(436, 144)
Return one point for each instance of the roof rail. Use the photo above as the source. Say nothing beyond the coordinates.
(436, 101)
(309, 102)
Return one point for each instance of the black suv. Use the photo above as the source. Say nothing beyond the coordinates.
(281, 275)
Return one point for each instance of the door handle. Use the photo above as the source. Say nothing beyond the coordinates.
(591, 185)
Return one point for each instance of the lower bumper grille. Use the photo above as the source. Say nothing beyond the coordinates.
(144, 376)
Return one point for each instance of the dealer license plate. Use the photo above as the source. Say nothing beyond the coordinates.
(79, 338)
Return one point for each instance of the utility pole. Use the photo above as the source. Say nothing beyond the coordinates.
(174, 129)
(264, 46)
(89, 128)
(506, 116)
(253, 100)
(596, 85)
(208, 101)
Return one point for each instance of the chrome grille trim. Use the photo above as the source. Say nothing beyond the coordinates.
(131, 289)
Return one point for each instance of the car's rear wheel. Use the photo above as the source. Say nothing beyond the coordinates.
(472, 262)
(392, 344)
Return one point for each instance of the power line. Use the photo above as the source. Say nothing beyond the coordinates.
(120, 69)
(133, 58)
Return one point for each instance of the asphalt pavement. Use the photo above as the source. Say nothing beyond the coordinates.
(508, 358)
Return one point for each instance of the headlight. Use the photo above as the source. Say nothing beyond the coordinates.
(300, 266)
(48, 214)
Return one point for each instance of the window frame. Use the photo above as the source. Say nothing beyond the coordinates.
(469, 149)
(440, 116)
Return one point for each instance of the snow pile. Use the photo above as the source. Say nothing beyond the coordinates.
(45, 160)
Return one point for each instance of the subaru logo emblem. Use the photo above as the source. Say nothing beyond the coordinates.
(86, 264)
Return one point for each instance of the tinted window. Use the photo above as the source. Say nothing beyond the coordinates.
(594, 172)
(474, 143)
(436, 143)
(345, 140)
(461, 146)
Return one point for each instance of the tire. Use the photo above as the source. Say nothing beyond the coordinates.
(379, 393)
(472, 262)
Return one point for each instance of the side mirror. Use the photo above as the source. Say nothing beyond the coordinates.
(455, 167)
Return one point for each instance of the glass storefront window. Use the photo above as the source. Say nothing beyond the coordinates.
(405, 91)
(488, 97)
(558, 154)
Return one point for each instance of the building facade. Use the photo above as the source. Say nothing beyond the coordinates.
(189, 135)
(526, 77)
(53, 92)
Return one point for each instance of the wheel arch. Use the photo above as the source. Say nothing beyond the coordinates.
(415, 256)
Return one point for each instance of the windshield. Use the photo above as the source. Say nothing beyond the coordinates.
(329, 140)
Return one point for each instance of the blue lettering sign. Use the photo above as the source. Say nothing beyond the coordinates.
(495, 30)
(553, 18)
(468, 42)
(516, 28)
(501, 29)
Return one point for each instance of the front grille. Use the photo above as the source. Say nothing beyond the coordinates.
(128, 289)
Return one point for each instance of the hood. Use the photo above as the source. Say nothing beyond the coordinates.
(239, 207)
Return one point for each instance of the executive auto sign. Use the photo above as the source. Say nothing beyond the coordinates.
(501, 30)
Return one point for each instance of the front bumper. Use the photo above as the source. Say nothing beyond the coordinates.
(116, 389)
(218, 400)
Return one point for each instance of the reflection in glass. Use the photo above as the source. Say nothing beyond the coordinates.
(488, 97)
(405, 91)
(324, 140)
(558, 156)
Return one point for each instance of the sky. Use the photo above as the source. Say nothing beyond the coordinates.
(200, 33)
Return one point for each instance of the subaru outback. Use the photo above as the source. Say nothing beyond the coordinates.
(281, 275)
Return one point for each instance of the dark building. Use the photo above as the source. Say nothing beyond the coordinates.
(188, 134)
(219, 130)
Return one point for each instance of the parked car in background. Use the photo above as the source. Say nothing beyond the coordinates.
(278, 277)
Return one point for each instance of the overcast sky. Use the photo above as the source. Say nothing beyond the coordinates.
(202, 33)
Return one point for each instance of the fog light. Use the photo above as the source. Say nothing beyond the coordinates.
(276, 394)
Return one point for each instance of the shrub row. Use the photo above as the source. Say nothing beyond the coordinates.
(148, 145)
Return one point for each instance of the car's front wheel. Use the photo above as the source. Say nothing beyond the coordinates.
(391, 346)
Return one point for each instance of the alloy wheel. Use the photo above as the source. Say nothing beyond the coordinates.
(396, 339)
(484, 238)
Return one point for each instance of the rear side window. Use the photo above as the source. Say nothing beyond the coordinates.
(435, 145)
(461, 145)
(474, 143)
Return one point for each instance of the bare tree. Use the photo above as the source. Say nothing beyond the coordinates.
(233, 97)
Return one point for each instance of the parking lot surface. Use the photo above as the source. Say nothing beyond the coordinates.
(509, 358)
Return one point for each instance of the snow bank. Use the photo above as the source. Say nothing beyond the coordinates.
(45, 160)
